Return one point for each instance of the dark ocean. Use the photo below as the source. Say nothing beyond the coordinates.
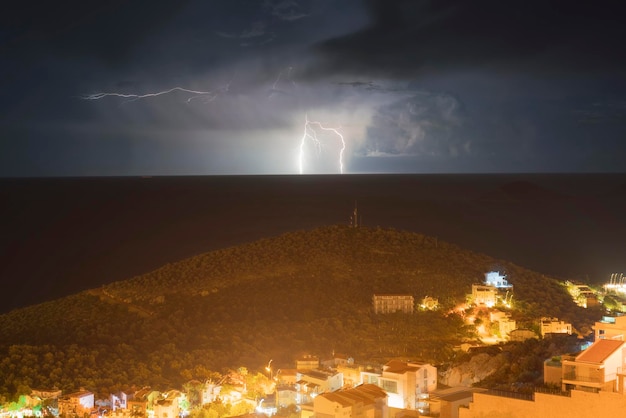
(62, 235)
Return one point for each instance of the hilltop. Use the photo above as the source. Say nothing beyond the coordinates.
(301, 292)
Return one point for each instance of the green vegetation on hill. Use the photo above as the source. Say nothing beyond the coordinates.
(278, 298)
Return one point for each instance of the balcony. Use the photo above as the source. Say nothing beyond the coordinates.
(584, 377)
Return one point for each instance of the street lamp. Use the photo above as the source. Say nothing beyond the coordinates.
(269, 368)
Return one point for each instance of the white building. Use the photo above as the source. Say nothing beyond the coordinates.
(495, 279)
(408, 383)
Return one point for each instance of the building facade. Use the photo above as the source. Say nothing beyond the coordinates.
(554, 326)
(390, 303)
(610, 328)
(408, 383)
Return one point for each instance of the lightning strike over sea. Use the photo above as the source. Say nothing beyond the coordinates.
(209, 95)
(311, 134)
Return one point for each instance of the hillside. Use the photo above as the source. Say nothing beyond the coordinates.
(278, 298)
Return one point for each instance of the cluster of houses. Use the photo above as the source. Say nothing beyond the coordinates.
(317, 389)
(493, 292)
(592, 382)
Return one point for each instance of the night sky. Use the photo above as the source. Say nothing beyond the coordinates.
(412, 86)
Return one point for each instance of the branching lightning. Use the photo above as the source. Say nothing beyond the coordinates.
(311, 128)
(310, 134)
(209, 96)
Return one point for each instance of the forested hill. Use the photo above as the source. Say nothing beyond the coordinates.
(278, 298)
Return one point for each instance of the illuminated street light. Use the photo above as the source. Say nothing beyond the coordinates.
(268, 368)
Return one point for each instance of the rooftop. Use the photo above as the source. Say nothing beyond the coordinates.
(599, 351)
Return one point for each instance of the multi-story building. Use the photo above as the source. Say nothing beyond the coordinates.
(497, 280)
(118, 401)
(407, 383)
(600, 367)
(76, 404)
(308, 362)
(391, 303)
(610, 328)
(484, 295)
(311, 383)
(554, 326)
(367, 401)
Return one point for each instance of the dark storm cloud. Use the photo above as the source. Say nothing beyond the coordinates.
(426, 124)
(105, 30)
(409, 36)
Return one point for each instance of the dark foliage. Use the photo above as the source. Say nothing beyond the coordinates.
(302, 292)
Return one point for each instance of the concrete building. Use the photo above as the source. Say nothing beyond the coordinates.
(554, 326)
(483, 295)
(118, 401)
(408, 383)
(610, 328)
(307, 362)
(76, 404)
(312, 383)
(600, 367)
(497, 280)
(391, 303)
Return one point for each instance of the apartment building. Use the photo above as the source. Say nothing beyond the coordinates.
(610, 328)
(391, 303)
(407, 383)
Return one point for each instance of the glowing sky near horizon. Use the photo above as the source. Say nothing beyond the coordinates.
(223, 88)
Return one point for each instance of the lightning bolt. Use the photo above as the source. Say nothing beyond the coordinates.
(311, 134)
(208, 95)
(280, 75)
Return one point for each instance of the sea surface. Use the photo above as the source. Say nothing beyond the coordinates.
(59, 236)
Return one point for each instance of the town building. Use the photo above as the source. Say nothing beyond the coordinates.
(371, 375)
(408, 383)
(311, 383)
(391, 303)
(118, 401)
(76, 404)
(483, 295)
(497, 280)
(554, 326)
(610, 328)
(307, 362)
(599, 367)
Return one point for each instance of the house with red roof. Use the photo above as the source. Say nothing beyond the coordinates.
(599, 368)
